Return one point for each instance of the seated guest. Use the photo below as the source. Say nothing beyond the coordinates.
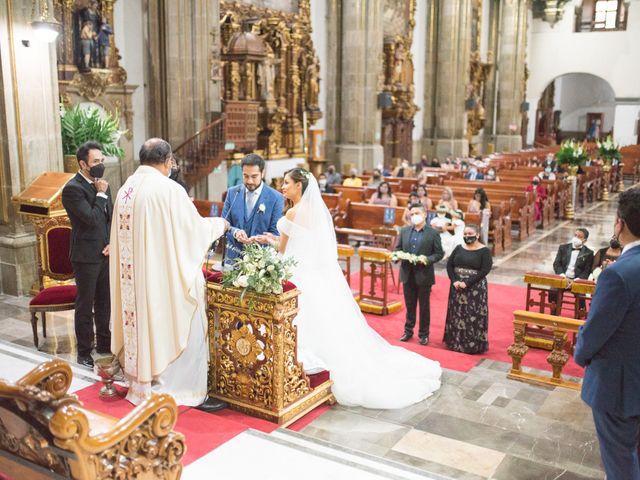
(448, 200)
(467, 324)
(423, 161)
(353, 180)
(323, 183)
(573, 260)
(435, 163)
(550, 161)
(333, 177)
(375, 179)
(605, 257)
(539, 194)
(423, 176)
(403, 170)
(384, 196)
(423, 197)
(441, 223)
(474, 174)
(491, 175)
(455, 230)
(479, 202)
(547, 174)
(406, 216)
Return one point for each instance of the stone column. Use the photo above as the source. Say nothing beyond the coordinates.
(357, 138)
(30, 140)
(511, 74)
(446, 77)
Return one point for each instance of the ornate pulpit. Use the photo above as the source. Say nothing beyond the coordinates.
(253, 361)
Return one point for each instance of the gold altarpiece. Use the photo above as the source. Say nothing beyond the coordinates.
(101, 80)
(253, 355)
(285, 83)
(397, 118)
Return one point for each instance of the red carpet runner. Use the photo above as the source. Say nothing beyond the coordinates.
(206, 431)
(503, 300)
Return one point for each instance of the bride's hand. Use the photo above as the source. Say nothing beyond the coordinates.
(266, 238)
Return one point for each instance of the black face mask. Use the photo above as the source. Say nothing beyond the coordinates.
(469, 239)
(97, 171)
(615, 243)
(174, 173)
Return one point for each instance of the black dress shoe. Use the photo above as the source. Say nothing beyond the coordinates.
(405, 337)
(424, 340)
(212, 405)
(86, 361)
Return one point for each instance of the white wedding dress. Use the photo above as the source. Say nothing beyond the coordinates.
(332, 332)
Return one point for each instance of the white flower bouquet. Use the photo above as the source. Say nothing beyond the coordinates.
(409, 257)
(608, 150)
(261, 270)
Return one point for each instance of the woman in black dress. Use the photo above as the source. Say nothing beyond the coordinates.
(466, 328)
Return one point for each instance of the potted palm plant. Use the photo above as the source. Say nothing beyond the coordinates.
(80, 125)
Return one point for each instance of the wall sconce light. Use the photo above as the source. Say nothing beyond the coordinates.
(45, 27)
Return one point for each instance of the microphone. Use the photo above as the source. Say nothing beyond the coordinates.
(214, 245)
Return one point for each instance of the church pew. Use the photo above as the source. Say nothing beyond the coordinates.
(51, 435)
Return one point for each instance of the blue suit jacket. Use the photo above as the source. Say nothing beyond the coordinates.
(253, 223)
(609, 342)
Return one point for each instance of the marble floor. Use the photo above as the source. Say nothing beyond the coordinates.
(479, 425)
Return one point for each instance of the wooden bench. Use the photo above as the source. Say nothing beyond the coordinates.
(46, 433)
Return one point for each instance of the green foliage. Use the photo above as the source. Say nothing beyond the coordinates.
(82, 125)
(572, 153)
(608, 150)
(261, 270)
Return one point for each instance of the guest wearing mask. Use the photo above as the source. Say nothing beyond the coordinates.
(573, 260)
(605, 257)
(441, 223)
(417, 280)
(540, 194)
(375, 179)
(479, 202)
(323, 183)
(547, 174)
(466, 327)
(435, 163)
(403, 170)
(384, 196)
(353, 180)
(333, 177)
(491, 175)
(406, 216)
(448, 199)
(423, 161)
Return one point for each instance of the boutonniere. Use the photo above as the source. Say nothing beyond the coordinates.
(262, 208)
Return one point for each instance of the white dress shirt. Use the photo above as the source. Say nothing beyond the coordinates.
(251, 199)
(91, 182)
(631, 245)
(571, 268)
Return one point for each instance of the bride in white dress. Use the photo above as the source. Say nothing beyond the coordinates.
(332, 332)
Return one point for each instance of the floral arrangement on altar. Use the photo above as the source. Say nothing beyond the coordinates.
(607, 150)
(572, 153)
(261, 270)
(409, 257)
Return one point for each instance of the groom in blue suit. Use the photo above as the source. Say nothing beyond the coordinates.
(251, 208)
(608, 346)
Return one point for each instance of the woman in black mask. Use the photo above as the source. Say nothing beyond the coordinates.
(467, 324)
(607, 255)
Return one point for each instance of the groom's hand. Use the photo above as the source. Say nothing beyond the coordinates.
(241, 236)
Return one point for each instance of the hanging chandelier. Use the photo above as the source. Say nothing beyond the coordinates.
(45, 26)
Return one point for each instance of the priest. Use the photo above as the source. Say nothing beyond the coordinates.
(158, 310)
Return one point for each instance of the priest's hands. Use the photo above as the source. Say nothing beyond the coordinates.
(227, 225)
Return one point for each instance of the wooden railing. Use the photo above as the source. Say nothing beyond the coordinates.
(199, 155)
(558, 357)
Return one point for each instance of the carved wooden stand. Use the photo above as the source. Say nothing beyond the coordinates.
(253, 362)
(375, 265)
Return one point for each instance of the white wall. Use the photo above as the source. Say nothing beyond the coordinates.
(319, 38)
(579, 94)
(613, 56)
(418, 49)
(128, 29)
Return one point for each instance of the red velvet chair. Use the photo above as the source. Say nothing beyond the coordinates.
(54, 269)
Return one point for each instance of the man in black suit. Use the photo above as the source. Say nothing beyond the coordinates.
(417, 279)
(574, 260)
(87, 199)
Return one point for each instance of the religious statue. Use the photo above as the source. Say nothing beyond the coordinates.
(313, 83)
(398, 63)
(104, 45)
(89, 27)
(267, 76)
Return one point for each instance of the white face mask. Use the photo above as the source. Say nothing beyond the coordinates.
(576, 242)
(417, 219)
(441, 215)
(322, 183)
